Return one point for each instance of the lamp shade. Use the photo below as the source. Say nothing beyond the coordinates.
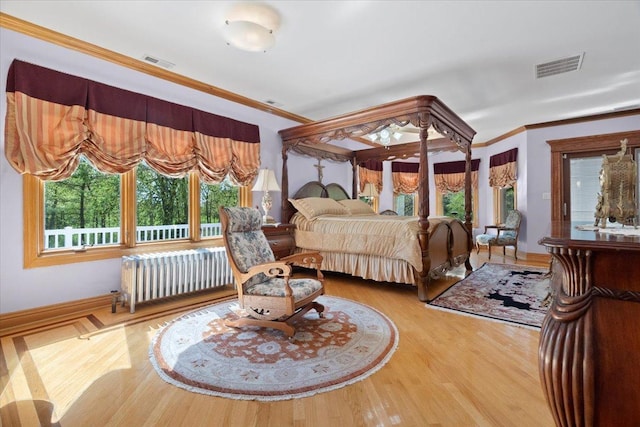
(266, 181)
(369, 190)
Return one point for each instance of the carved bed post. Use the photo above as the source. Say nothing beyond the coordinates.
(284, 194)
(468, 204)
(422, 278)
(354, 180)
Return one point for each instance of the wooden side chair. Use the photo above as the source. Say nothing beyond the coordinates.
(267, 294)
(506, 234)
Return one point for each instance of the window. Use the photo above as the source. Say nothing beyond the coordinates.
(162, 206)
(405, 204)
(504, 202)
(83, 210)
(452, 204)
(94, 215)
(211, 198)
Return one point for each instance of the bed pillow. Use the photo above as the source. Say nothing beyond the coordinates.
(312, 207)
(357, 207)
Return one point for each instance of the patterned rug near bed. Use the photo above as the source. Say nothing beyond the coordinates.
(197, 352)
(501, 292)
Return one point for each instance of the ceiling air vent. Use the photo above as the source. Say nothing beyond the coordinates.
(159, 62)
(273, 103)
(559, 66)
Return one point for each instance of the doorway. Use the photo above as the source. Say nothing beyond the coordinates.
(574, 190)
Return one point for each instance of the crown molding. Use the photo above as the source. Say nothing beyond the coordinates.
(24, 27)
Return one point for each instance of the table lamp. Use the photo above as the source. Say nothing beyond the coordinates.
(266, 182)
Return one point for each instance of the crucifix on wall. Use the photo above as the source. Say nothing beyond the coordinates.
(319, 167)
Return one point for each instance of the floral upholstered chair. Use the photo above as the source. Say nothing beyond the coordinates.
(506, 235)
(266, 292)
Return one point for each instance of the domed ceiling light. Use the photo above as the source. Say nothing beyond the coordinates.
(251, 26)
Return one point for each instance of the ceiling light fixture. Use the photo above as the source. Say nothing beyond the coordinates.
(385, 135)
(251, 26)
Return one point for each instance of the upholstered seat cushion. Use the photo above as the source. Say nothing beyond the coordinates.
(301, 288)
(484, 239)
(505, 238)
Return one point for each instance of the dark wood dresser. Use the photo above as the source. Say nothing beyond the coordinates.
(589, 352)
(281, 239)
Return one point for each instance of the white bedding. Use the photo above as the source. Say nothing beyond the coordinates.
(393, 237)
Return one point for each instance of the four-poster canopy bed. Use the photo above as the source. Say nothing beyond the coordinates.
(318, 139)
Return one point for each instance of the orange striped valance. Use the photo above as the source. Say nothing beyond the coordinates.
(53, 117)
(503, 169)
(405, 177)
(449, 177)
(370, 171)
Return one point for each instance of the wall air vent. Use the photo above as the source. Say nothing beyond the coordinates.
(159, 62)
(559, 66)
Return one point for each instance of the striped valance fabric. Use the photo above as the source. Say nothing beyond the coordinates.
(503, 169)
(405, 177)
(370, 171)
(449, 176)
(53, 117)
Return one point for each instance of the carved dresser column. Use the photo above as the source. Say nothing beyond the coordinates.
(590, 339)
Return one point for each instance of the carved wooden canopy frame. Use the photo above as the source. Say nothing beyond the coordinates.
(317, 139)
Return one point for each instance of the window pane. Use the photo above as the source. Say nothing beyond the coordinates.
(83, 209)
(585, 186)
(404, 204)
(162, 206)
(507, 202)
(453, 205)
(211, 198)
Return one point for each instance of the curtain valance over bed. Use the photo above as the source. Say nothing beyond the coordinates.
(53, 117)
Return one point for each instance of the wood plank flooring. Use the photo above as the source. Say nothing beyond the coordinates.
(449, 370)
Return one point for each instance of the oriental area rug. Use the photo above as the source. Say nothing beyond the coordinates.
(509, 293)
(199, 353)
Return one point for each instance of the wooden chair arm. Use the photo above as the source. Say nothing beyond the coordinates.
(303, 258)
(486, 227)
(270, 269)
(307, 259)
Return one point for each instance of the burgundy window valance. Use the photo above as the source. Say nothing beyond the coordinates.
(405, 167)
(449, 176)
(370, 171)
(503, 169)
(53, 118)
(405, 177)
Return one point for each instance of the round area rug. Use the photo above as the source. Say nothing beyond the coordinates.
(197, 352)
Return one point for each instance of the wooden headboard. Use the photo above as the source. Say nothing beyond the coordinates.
(317, 189)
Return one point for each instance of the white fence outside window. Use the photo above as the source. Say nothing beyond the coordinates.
(69, 237)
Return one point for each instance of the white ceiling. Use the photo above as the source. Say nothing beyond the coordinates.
(333, 57)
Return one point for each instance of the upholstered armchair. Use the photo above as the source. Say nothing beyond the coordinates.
(506, 234)
(267, 295)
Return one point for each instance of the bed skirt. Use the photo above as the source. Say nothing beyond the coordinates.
(368, 267)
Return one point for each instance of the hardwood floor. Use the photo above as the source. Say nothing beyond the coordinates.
(449, 370)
